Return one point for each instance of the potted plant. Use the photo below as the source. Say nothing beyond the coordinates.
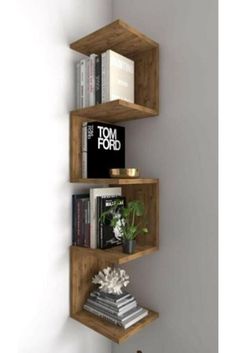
(127, 222)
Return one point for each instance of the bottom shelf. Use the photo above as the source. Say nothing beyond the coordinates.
(114, 333)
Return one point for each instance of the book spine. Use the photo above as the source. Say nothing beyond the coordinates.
(108, 91)
(84, 151)
(78, 219)
(92, 79)
(133, 321)
(86, 82)
(84, 165)
(93, 235)
(103, 307)
(119, 306)
(98, 222)
(101, 226)
(104, 76)
(82, 82)
(98, 79)
(82, 221)
(102, 315)
(74, 220)
(87, 225)
(78, 98)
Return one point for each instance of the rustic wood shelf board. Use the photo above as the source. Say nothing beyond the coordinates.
(116, 111)
(115, 181)
(118, 36)
(114, 333)
(116, 254)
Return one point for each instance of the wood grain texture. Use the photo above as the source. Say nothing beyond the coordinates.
(83, 266)
(114, 333)
(149, 195)
(147, 79)
(118, 36)
(114, 181)
(120, 110)
(115, 255)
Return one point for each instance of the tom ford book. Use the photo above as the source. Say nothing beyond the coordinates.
(103, 148)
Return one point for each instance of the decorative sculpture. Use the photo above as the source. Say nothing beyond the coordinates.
(111, 280)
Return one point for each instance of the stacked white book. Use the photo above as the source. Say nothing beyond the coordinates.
(103, 78)
(121, 310)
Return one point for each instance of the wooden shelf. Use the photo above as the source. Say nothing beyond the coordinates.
(116, 111)
(127, 41)
(116, 255)
(118, 36)
(114, 181)
(84, 262)
(114, 333)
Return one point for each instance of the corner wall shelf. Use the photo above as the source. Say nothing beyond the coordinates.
(85, 262)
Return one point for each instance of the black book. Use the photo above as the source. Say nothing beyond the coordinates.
(98, 79)
(78, 228)
(107, 236)
(103, 147)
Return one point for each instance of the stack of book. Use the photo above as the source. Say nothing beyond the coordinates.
(87, 228)
(102, 78)
(121, 310)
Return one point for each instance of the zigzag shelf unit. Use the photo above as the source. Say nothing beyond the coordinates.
(84, 262)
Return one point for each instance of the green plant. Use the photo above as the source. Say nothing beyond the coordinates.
(126, 219)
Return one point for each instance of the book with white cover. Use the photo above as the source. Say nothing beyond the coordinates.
(105, 83)
(91, 78)
(119, 77)
(110, 309)
(78, 99)
(94, 193)
(134, 319)
(84, 80)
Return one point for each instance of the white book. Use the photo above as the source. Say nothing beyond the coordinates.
(77, 98)
(82, 82)
(120, 77)
(104, 78)
(102, 314)
(134, 319)
(91, 85)
(111, 309)
(94, 193)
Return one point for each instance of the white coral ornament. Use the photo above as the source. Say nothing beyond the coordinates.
(111, 280)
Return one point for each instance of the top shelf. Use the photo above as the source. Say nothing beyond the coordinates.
(118, 36)
(127, 41)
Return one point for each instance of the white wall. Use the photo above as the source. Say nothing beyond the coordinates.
(37, 93)
(179, 147)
